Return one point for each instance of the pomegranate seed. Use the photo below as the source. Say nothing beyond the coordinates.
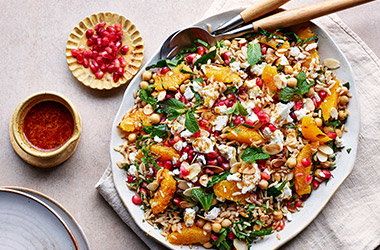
(203, 123)
(184, 171)
(87, 53)
(118, 44)
(176, 201)
(309, 178)
(281, 226)
(213, 162)
(327, 173)
(225, 166)
(209, 171)
(298, 203)
(130, 178)
(212, 155)
(226, 55)
(271, 127)
(168, 165)
(322, 94)
(220, 160)
(305, 162)
(75, 52)
(227, 62)
(259, 82)
(231, 96)
(93, 68)
(248, 122)
(116, 62)
(164, 70)
(315, 184)
(108, 50)
(230, 104)
(136, 199)
(120, 71)
(231, 235)
(197, 134)
(116, 77)
(86, 62)
(265, 176)
(238, 120)
(90, 33)
(99, 74)
(111, 29)
(124, 50)
(298, 105)
(332, 135)
(111, 68)
(263, 50)
(119, 33)
(103, 67)
(214, 237)
(176, 139)
(201, 50)
(117, 26)
(123, 62)
(190, 58)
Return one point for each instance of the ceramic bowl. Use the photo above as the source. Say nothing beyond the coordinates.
(30, 154)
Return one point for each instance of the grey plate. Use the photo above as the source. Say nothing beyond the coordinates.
(29, 223)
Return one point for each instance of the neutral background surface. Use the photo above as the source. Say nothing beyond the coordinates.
(32, 44)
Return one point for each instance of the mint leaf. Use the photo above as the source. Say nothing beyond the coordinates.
(300, 77)
(171, 63)
(237, 109)
(159, 130)
(218, 178)
(203, 59)
(146, 97)
(191, 122)
(252, 154)
(173, 108)
(186, 71)
(309, 40)
(231, 89)
(287, 94)
(204, 198)
(276, 191)
(254, 53)
(304, 87)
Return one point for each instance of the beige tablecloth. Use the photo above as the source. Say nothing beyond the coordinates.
(351, 219)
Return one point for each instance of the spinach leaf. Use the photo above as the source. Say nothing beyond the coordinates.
(158, 130)
(146, 97)
(171, 63)
(204, 198)
(203, 59)
(252, 154)
(218, 178)
(254, 53)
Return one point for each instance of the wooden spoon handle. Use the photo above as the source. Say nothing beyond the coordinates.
(296, 16)
(260, 8)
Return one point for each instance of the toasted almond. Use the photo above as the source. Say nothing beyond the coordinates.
(148, 109)
(331, 63)
(240, 245)
(326, 149)
(203, 180)
(272, 149)
(153, 186)
(161, 95)
(182, 184)
(321, 156)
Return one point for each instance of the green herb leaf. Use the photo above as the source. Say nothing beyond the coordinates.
(230, 90)
(186, 71)
(335, 124)
(198, 80)
(158, 130)
(191, 122)
(220, 44)
(203, 59)
(252, 154)
(171, 63)
(204, 198)
(201, 42)
(237, 109)
(349, 150)
(218, 178)
(276, 191)
(309, 40)
(300, 77)
(268, 34)
(247, 125)
(146, 97)
(347, 85)
(261, 232)
(304, 87)
(222, 243)
(198, 98)
(287, 94)
(254, 53)
(173, 108)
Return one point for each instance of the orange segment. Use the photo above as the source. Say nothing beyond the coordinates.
(132, 121)
(243, 134)
(189, 236)
(164, 193)
(273, 43)
(226, 189)
(221, 74)
(300, 172)
(165, 153)
(172, 79)
(330, 102)
(311, 131)
(268, 76)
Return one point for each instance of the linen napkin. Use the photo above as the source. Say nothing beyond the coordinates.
(351, 219)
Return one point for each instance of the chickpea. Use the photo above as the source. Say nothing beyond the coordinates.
(263, 184)
(226, 223)
(291, 162)
(338, 132)
(144, 85)
(318, 121)
(216, 227)
(277, 177)
(147, 75)
(200, 223)
(132, 137)
(182, 88)
(310, 93)
(227, 42)
(155, 118)
(291, 82)
(342, 115)
(277, 215)
(343, 100)
(288, 70)
(328, 129)
(207, 227)
(207, 245)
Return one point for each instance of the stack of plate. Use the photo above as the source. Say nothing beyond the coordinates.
(31, 220)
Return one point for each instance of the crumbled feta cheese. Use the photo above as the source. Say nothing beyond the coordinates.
(201, 159)
(179, 145)
(235, 65)
(203, 145)
(178, 125)
(255, 92)
(132, 170)
(220, 122)
(300, 113)
(334, 113)
(183, 157)
(244, 65)
(252, 117)
(294, 51)
(283, 60)
(286, 192)
(210, 94)
(311, 46)
(157, 139)
(132, 156)
(221, 109)
(176, 171)
(228, 152)
(281, 114)
(196, 86)
(258, 68)
(189, 217)
(234, 177)
(188, 93)
(212, 214)
(186, 133)
(289, 216)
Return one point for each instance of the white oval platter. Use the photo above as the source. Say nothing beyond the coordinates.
(316, 202)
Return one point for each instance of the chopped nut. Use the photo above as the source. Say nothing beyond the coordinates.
(144, 85)
(331, 63)
(147, 75)
(291, 82)
(343, 100)
(272, 149)
(148, 109)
